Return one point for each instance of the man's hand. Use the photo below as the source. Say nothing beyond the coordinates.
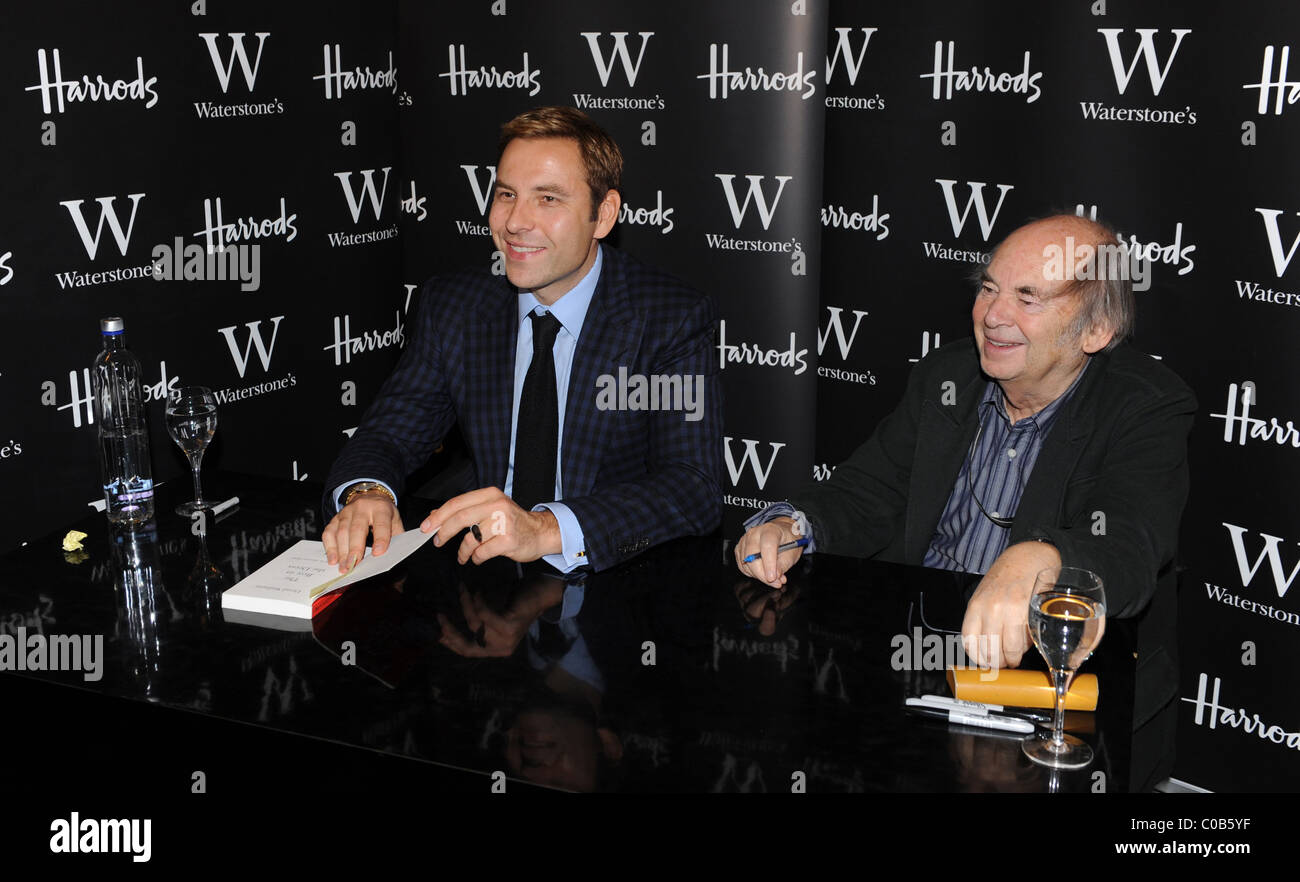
(769, 568)
(507, 530)
(496, 636)
(345, 535)
(995, 632)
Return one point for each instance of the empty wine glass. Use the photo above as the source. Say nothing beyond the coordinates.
(191, 421)
(1067, 616)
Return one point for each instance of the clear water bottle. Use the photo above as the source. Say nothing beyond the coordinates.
(123, 433)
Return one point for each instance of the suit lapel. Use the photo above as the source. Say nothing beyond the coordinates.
(610, 335)
(1044, 494)
(490, 406)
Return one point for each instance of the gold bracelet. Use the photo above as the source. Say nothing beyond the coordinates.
(366, 487)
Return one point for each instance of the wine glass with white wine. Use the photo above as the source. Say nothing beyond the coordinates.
(1067, 616)
(192, 421)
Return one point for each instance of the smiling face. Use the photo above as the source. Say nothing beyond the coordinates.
(1022, 320)
(542, 218)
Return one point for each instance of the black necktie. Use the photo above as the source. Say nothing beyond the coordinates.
(539, 420)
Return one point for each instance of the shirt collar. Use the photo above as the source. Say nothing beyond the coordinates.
(1044, 418)
(571, 309)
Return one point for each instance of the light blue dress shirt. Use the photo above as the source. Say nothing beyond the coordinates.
(571, 312)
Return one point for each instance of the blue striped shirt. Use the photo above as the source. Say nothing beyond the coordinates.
(996, 469)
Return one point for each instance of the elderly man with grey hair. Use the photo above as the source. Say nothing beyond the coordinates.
(1045, 440)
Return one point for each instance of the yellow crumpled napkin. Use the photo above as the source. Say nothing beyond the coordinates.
(72, 541)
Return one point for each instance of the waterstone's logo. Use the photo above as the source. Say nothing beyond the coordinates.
(460, 78)
(765, 200)
(843, 54)
(356, 203)
(56, 92)
(977, 201)
(844, 342)
(225, 64)
(1124, 71)
(619, 55)
(108, 216)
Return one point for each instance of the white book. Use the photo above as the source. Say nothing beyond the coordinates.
(295, 578)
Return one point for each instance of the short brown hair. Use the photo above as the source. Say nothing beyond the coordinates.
(600, 154)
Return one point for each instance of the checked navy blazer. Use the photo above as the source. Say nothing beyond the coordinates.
(633, 478)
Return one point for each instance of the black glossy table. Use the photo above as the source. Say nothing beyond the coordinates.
(668, 674)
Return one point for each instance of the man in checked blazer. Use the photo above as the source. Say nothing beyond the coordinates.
(625, 478)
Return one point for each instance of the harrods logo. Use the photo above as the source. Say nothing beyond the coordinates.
(843, 218)
(948, 79)
(218, 232)
(792, 357)
(57, 92)
(460, 78)
(1212, 715)
(659, 216)
(1280, 88)
(723, 80)
(605, 63)
(1124, 70)
(81, 398)
(345, 345)
(1239, 425)
(337, 80)
(750, 459)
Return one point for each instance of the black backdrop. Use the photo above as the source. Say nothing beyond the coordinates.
(833, 211)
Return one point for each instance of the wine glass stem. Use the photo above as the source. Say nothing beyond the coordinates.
(195, 462)
(1061, 680)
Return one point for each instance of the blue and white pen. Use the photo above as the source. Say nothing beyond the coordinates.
(798, 543)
